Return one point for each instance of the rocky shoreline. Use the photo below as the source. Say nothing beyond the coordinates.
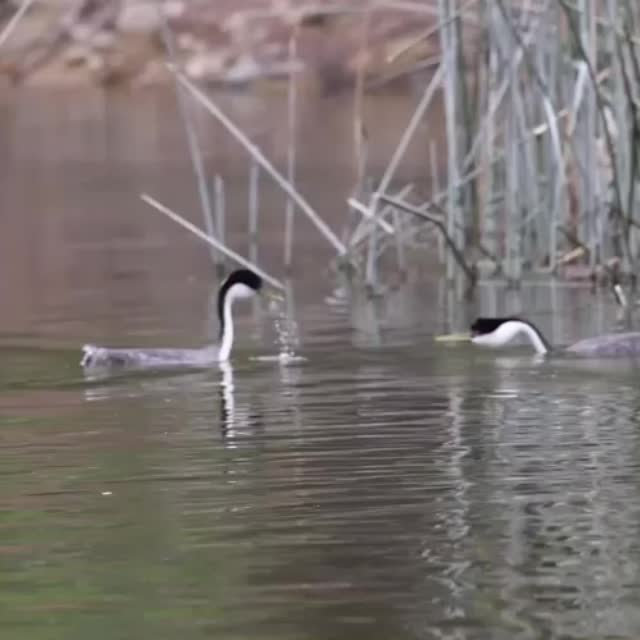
(121, 43)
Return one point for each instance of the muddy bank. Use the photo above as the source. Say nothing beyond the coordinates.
(60, 43)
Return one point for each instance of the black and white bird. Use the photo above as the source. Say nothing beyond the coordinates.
(240, 285)
(498, 332)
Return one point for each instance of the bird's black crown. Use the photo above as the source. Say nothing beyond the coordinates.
(239, 276)
(243, 276)
(484, 326)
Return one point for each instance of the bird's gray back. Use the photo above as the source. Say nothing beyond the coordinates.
(613, 345)
(96, 357)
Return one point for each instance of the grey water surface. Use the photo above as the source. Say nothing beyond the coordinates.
(385, 487)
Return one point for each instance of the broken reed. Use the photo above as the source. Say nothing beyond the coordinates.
(541, 102)
(542, 131)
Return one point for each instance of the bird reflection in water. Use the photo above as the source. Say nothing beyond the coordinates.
(238, 422)
(227, 404)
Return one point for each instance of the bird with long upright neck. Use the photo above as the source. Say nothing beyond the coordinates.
(240, 284)
(499, 332)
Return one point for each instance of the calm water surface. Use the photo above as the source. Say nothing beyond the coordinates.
(386, 487)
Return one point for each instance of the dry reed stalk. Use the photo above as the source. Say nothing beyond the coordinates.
(435, 189)
(454, 250)
(366, 212)
(195, 153)
(254, 200)
(449, 48)
(360, 136)
(291, 149)
(611, 147)
(379, 219)
(13, 22)
(261, 159)
(591, 177)
(220, 204)
(498, 95)
(183, 222)
(513, 197)
(371, 270)
(360, 133)
(405, 139)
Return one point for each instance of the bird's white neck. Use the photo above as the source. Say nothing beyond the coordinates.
(508, 331)
(238, 291)
(226, 341)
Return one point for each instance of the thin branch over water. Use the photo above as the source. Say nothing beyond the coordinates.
(261, 159)
(15, 19)
(183, 222)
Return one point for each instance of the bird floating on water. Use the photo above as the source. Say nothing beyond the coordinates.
(498, 332)
(239, 285)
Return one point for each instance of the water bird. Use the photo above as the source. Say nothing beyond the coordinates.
(498, 332)
(239, 285)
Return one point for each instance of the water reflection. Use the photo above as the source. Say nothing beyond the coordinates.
(238, 423)
(368, 491)
(227, 402)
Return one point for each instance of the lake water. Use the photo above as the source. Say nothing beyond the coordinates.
(385, 487)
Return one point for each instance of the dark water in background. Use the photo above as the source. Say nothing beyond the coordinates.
(387, 487)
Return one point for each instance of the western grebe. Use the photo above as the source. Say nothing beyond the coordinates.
(497, 332)
(240, 284)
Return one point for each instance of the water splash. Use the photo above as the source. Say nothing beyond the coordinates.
(287, 335)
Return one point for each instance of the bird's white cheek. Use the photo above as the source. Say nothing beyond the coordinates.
(241, 291)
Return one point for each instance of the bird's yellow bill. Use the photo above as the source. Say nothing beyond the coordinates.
(454, 337)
